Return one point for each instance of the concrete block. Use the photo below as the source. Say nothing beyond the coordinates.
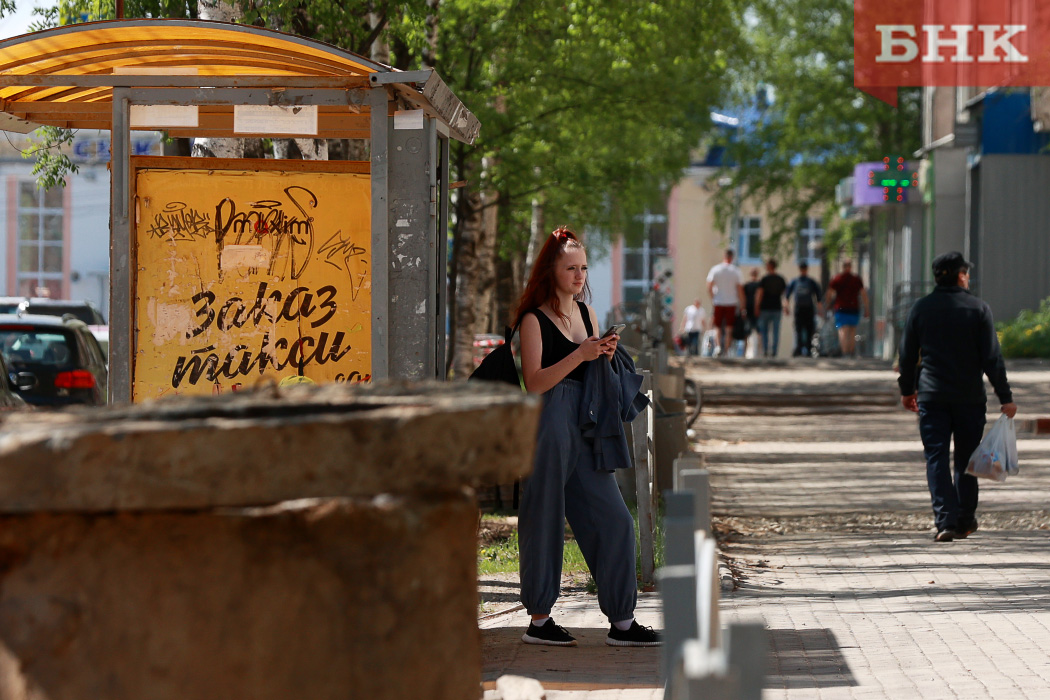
(330, 598)
(254, 448)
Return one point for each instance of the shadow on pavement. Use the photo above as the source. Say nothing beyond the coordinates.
(590, 666)
(810, 658)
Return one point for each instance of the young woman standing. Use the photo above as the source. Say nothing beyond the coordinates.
(558, 339)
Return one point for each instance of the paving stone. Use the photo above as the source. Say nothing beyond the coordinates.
(857, 612)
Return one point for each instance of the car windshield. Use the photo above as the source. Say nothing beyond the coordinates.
(35, 346)
(81, 312)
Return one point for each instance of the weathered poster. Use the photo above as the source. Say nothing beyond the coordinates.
(246, 277)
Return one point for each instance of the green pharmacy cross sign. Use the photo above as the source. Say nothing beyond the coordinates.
(894, 178)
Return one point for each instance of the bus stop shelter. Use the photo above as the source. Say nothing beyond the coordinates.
(220, 80)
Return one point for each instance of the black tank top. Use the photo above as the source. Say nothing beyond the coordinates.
(556, 347)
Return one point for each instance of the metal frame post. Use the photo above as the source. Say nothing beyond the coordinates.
(378, 101)
(412, 233)
(641, 435)
(441, 257)
(120, 272)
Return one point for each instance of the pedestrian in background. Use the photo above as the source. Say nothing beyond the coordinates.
(949, 345)
(805, 292)
(725, 285)
(694, 322)
(769, 305)
(558, 349)
(846, 294)
(749, 310)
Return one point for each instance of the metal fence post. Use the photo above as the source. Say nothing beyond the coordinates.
(746, 650)
(698, 482)
(687, 460)
(677, 580)
(641, 432)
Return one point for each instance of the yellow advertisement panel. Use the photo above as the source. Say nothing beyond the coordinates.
(247, 276)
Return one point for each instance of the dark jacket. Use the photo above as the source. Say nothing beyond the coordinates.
(610, 398)
(949, 343)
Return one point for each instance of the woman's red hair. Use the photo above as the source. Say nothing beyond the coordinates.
(541, 289)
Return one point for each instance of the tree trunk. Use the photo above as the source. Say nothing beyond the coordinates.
(537, 231)
(380, 49)
(219, 11)
(429, 57)
(475, 254)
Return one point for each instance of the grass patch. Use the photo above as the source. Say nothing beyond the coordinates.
(498, 547)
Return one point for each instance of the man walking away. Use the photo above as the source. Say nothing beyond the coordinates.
(949, 342)
(749, 311)
(769, 304)
(845, 294)
(806, 293)
(725, 284)
(694, 320)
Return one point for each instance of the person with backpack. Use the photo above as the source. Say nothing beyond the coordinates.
(805, 292)
(559, 349)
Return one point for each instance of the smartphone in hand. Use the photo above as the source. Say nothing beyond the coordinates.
(616, 329)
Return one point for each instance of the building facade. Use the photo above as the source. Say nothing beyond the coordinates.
(57, 241)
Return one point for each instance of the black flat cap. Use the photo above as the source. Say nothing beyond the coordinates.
(950, 263)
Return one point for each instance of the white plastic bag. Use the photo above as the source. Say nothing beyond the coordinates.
(996, 456)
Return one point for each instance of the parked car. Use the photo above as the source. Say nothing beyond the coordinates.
(53, 361)
(66, 308)
(9, 305)
(82, 310)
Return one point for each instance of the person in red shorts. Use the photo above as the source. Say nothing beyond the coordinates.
(725, 284)
(845, 295)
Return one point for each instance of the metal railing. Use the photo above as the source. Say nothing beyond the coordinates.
(700, 659)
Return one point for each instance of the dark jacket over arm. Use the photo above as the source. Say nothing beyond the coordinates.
(949, 345)
(611, 397)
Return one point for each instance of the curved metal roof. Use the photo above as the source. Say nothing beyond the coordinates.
(211, 48)
(65, 76)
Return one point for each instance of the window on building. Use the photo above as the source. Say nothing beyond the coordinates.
(749, 239)
(638, 261)
(810, 240)
(41, 241)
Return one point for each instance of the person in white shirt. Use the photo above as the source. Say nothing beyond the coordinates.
(694, 322)
(725, 284)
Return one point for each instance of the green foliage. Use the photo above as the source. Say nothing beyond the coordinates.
(1028, 335)
(348, 24)
(592, 108)
(817, 125)
(76, 11)
(52, 166)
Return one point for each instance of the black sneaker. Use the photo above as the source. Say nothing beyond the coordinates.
(549, 634)
(635, 636)
(964, 531)
(947, 535)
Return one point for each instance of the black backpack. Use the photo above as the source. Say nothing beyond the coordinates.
(498, 365)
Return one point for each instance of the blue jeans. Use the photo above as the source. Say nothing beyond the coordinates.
(693, 342)
(953, 492)
(765, 320)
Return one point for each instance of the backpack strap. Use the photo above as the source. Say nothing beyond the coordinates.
(586, 318)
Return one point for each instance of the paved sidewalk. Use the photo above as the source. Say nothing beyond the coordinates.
(832, 543)
(589, 671)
